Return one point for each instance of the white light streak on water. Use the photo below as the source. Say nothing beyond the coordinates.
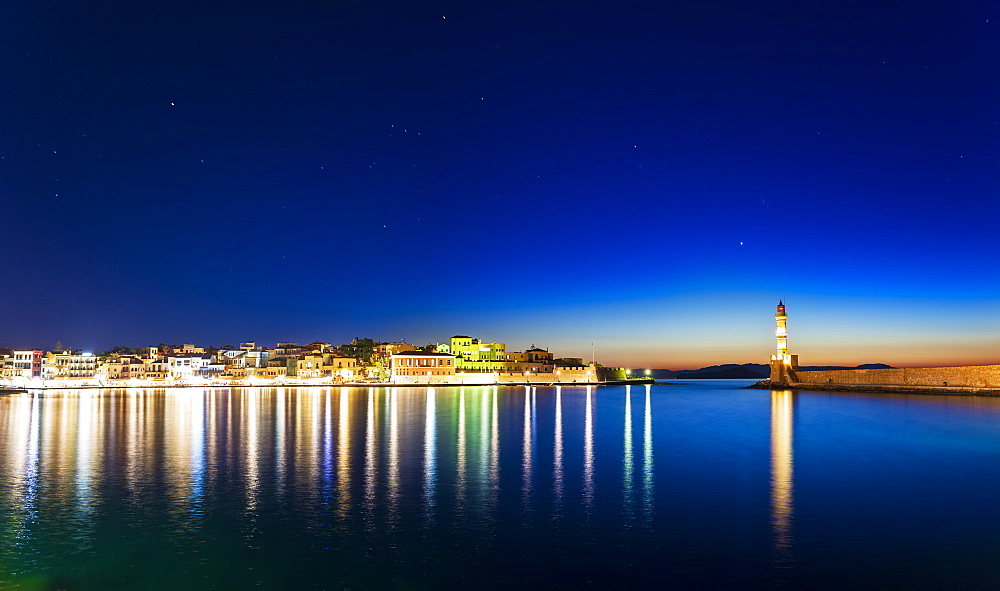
(647, 461)
(279, 442)
(85, 442)
(20, 477)
(31, 472)
(196, 478)
(495, 452)
(134, 439)
(484, 440)
(557, 456)
(344, 457)
(430, 455)
(393, 468)
(627, 476)
(327, 470)
(460, 477)
(588, 452)
(526, 451)
(370, 474)
(251, 397)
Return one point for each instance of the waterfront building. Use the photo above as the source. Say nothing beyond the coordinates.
(132, 368)
(344, 367)
(533, 360)
(69, 365)
(233, 373)
(326, 365)
(117, 367)
(463, 360)
(422, 367)
(310, 366)
(270, 372)
(185, 366)
(242, 357)
(386, 350)
(473, 355)
(25, 364)
(286, 349)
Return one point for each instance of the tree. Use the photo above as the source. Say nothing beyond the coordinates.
(381, 366)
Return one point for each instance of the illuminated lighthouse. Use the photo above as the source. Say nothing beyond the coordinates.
(782, 331)
(782, 364)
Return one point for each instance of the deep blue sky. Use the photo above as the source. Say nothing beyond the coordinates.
(650, 176)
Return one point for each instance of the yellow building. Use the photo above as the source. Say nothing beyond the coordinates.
(384, 350)
(473, 355)
(131, 367)
(326, 365)
(68, 365)
(533, 360)
(270, 372)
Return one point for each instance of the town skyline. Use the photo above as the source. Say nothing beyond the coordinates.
(856, 341)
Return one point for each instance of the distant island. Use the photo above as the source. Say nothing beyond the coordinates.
(730, 371)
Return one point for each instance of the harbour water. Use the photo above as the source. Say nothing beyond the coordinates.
(701, 484)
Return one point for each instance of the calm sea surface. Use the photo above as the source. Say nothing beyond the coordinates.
(698, 485)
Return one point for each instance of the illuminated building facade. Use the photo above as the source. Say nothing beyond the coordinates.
(27, 364)
(421, 367)
(326, 365)
(476, 356)
(68, 365)
(533, 360)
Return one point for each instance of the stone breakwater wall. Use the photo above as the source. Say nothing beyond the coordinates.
(973, 376)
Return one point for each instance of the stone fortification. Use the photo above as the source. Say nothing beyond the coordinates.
(972, 376)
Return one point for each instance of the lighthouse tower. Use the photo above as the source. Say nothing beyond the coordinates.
(782, 364)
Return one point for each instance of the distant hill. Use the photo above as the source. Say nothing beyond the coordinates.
(730, 371)
(738, 372)
(834, 367)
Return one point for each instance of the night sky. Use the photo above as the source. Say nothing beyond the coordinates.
(648, 176)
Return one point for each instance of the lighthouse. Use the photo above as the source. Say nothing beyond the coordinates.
(782, 364)
(780, 318)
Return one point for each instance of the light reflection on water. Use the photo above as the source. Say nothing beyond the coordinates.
(430, 455)
(557, 457)
(344, 460)
(527, 446)
(484, 486)
(461, 466)
(588, 453)
(781, 469)
(647, 459)
(627, 461)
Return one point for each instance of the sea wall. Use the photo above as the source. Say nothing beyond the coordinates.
(973, 376)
